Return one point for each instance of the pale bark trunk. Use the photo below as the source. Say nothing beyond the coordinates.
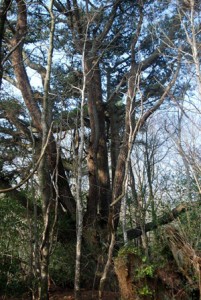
(45, 169)
(124, 208)
(107, 266)
(79, 207)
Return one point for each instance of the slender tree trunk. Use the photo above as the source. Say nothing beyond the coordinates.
(79, 206)
(45, 168)
(124, 208)
(107, 265)
(44, 266)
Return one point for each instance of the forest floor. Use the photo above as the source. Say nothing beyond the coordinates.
(69, 295)
(85, 295)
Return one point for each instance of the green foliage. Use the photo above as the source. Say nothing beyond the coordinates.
(62, 264)
(13, 106)
(145, 270)
(11, 279)
(13, 247)
(190, 225)
(128, 249)
(13, 227)
(141, 269)
(145, 291)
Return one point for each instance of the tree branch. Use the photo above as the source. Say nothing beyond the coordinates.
(109, 23)
(37, 67)
(15, 195)
(18, 65)
(163, 45)
(163, 220)
(34, 169)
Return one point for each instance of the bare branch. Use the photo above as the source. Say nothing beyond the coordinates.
(163, 220)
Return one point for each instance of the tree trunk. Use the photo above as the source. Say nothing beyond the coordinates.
(45, 172)
(44, 265)
(99, 183)
(46, 196)
(4, 7)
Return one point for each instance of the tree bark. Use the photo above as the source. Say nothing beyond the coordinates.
(18, 65)
(44, 171)
(99, 182)
(4, 7)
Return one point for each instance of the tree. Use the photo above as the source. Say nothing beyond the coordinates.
(111, 69)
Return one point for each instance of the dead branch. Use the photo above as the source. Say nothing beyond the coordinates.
(163, 220)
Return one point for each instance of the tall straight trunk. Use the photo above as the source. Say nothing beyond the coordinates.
(149, 162)
(44, 171)
(99, 183)
(46, 197)
(116, 125)
(44, 262)
(79, 206)
(119, 184)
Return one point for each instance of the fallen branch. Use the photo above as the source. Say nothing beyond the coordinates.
(163, 220)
